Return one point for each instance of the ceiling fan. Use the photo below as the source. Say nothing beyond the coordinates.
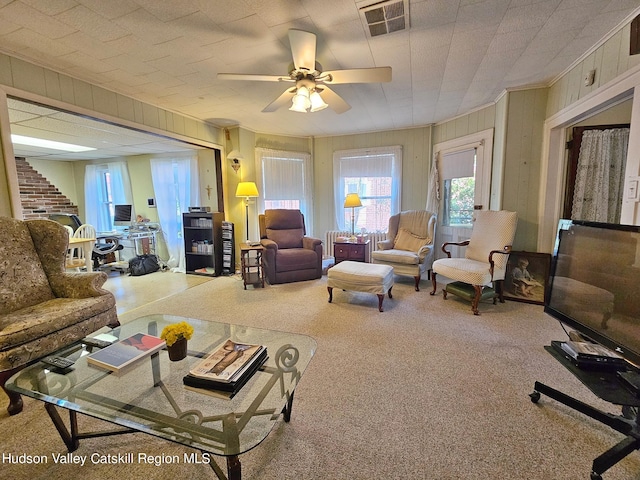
(311, 89)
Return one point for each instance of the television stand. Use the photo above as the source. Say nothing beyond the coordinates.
(606, 385)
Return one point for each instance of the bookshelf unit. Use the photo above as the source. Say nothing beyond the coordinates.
(228, 249)
(203, 242)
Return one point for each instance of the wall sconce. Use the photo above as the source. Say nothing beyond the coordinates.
(235, 157)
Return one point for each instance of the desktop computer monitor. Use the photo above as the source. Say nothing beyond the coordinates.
(123, 215)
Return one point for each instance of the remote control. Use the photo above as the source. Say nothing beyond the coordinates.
(58, 362)
(95, 342)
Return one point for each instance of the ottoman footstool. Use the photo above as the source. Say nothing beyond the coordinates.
(361, 277)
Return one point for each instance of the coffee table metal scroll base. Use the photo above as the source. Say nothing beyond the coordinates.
(71, 438)
(286, 356)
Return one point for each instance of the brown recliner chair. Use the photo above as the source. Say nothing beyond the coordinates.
(289, 255)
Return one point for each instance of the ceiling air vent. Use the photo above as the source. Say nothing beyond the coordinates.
(386, 17)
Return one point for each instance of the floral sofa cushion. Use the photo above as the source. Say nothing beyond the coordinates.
(23, 281)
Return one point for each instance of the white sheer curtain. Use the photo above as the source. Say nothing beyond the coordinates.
(600, 175)
(375, 174)
(285, 180)
(105, 185)
(175, 185)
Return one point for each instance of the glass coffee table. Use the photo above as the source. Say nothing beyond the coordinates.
(150, 397)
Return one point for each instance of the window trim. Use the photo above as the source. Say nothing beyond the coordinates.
(340, 194)
(307, 202)
(490, 195)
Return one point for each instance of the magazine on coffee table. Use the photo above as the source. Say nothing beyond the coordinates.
(226, 389)
(125, 352)
(228, 362)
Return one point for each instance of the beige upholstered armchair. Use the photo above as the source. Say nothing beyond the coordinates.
(43, 307)
(289, 255)
(480, 275)
(409, 244)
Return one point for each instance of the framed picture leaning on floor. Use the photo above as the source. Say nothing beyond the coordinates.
(527, 276)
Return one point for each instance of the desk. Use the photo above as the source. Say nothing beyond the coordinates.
(87, 244)
(144, 241)
(149, 395)
(140, 242)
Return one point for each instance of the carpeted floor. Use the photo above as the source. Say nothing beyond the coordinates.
(424, 390)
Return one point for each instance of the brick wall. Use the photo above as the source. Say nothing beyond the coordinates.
(38, 196)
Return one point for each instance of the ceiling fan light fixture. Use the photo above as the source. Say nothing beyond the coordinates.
(301, 101)
(317, 103)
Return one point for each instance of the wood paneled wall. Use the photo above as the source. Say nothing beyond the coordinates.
(609, 60)
(473, 122)
(416, 163)
(522, 162)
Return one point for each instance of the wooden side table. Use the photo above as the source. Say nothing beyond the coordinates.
(251, 265)
(356, 252)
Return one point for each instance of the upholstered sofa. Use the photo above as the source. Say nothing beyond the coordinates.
(289, 255)
(43, 308)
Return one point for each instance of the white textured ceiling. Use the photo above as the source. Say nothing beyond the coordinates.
(107, 140)
(457, 55)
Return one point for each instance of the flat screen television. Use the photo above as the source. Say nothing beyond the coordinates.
(594, 285)
(123, 215)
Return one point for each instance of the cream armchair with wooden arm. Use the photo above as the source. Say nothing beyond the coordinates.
(409, 244)
(480, 274)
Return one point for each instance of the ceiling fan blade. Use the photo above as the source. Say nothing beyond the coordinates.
(281, 101)
(335, 101)
(255, 78)
(303, 49)
(357, 75)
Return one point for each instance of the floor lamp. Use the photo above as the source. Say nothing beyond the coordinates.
(247, 190)
(352, 201)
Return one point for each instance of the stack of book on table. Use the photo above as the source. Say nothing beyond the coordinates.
(227, 369)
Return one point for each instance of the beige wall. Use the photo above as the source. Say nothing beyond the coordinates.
(522, 160)
(620, 113)
(610, 60)
(473, 122)
(416, 163)
(60, 174)
(207, 179)
(245, 141)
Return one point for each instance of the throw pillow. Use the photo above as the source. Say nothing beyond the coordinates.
(405, 240)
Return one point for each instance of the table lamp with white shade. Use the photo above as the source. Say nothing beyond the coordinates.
(247, 190)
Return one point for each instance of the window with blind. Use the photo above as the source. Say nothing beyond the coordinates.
(458, 179)
(375, 174)
(285, 180)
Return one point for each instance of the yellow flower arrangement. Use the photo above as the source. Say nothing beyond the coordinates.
(174, 332)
